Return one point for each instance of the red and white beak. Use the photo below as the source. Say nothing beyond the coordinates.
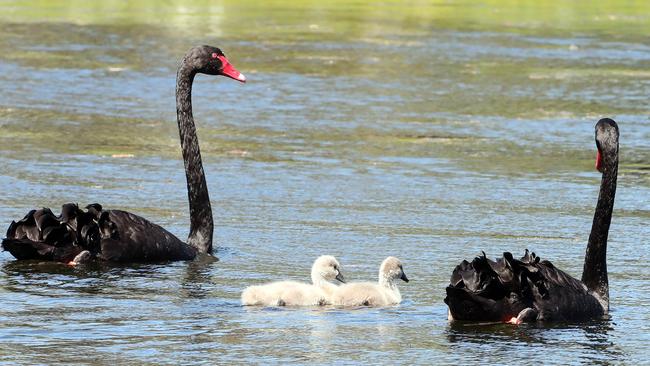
(230, 71)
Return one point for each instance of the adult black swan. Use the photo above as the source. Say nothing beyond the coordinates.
(527, 289)
(120, 236)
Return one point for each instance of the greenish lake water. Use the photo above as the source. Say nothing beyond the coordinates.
(427, 130)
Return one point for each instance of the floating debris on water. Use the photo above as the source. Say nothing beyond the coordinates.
(238, 152)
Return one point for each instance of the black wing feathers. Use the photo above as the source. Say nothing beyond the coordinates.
(498, 290)
(110, 235)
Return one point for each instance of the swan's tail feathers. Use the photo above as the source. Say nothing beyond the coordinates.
(26, 248)
(42, 235)
(494, 290)
(480, 290)
(29, 249)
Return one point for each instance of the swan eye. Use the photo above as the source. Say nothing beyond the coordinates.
(214, 55)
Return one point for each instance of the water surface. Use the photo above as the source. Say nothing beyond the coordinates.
(425, 130)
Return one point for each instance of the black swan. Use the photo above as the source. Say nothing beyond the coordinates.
(120, 236)
(527, 289)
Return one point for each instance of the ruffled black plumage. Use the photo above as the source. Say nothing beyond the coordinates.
(110, 235)
(486, 290)
(45, 236)
(530, 289)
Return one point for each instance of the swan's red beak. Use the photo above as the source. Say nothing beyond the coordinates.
(230, 71)
(599, 162)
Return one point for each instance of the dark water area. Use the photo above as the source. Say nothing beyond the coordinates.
(425, 131)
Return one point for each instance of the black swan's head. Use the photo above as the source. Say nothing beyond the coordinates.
(607, 144)
(211, 60)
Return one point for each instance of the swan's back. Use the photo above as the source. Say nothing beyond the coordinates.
(127, 237)
(111, 235)
(497, 291)
(266, 294)
(303, 294)
(362, 294)
(284, 293)
(382, 293)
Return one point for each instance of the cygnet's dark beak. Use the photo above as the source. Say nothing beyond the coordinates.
(340, 278)
(403, 277)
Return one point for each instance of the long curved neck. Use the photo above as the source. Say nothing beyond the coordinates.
(201, 224)
(317, 278)
(387, 282)
(594, 274)
(391, 286)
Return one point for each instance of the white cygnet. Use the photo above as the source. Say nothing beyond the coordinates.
(373, 294)
(293, 293)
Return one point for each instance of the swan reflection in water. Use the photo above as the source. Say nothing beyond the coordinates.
(592, 338)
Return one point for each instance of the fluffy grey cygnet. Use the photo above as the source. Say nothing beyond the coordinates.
(383, 293)
(292, 293)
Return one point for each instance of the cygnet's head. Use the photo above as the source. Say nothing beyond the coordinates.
(391, 269)
(328, 268)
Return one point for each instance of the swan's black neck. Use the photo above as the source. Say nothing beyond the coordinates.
(201, 224)
(594, 274)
